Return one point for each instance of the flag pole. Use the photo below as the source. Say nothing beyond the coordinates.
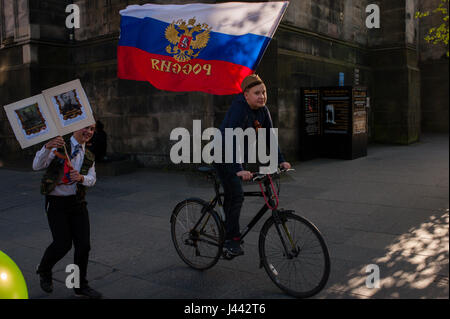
(67, 157)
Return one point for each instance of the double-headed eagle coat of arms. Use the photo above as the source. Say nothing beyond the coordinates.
(188, 39)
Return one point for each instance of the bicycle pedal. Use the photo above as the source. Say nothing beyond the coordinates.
(228, 256)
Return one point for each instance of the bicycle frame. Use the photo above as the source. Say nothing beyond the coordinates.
(275, 214)
(269, 194)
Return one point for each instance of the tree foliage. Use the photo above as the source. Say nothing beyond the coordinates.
(437, 34)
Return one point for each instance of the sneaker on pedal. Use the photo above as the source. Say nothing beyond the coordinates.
(87, 292)
(232, 248)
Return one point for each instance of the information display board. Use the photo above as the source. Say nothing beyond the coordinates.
(311, 123)
(337, 107)
(359, 111)
(333, 122)
(360, 130)
(312, 111)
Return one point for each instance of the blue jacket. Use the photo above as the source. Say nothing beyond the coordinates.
(241, 115)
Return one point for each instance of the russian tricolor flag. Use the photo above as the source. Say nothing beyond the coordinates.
(196, 47)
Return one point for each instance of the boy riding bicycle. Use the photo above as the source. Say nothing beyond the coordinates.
(247, 110)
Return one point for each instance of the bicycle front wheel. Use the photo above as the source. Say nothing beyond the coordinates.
(294, 255)
(197, 233)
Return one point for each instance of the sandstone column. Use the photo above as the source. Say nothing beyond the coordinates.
(396, 76)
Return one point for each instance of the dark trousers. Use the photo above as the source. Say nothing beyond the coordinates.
(69, 223)
(233, 198)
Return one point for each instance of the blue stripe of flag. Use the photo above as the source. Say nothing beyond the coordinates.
(148, 34)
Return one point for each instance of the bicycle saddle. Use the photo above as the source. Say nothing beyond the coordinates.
(206, 169)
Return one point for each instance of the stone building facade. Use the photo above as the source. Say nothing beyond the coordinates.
(434, 68)
(315, 41)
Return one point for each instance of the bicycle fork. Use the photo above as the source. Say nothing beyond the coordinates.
(290, 253)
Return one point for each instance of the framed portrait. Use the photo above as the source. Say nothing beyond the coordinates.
(31, 120)
(69, 106)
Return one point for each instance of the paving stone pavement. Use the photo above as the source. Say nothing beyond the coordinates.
(390, 209)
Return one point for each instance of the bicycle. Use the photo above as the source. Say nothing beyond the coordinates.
(290, 246)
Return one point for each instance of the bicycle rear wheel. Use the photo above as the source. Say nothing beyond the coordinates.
(303, 271)
(197, 233)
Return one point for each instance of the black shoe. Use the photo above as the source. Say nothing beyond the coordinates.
(87, 292)
(46, 280)
(232, 248)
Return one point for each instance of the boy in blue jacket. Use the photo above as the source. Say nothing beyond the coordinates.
(247, 110)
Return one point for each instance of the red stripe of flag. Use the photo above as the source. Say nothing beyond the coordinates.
(165, 73)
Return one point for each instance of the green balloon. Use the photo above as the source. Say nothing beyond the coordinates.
(12, 283)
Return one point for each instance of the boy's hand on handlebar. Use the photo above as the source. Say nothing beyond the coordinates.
(285, 165)
(245, 175)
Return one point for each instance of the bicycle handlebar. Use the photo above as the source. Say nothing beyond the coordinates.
(259, 177)
(256, 176)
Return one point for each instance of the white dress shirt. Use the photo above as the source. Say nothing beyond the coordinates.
(45, 156)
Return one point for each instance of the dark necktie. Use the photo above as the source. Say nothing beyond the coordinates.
(75, 151)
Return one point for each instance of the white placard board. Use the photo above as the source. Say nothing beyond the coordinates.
(57, 111)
